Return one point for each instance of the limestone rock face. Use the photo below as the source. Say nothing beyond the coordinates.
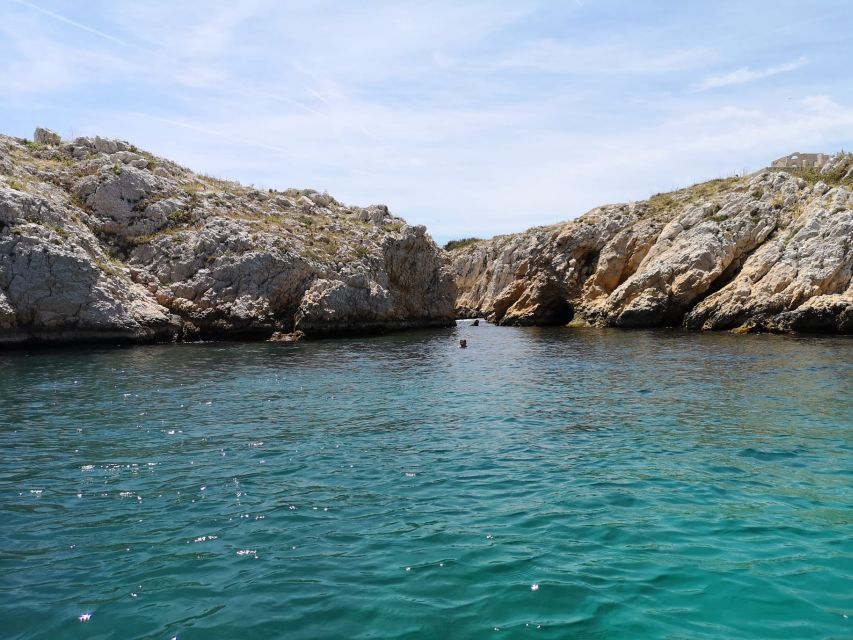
(46, 136)
(58, 284)
(794, 281)
(397, 293)
(768, 252)
(117, 196)
(99, 240)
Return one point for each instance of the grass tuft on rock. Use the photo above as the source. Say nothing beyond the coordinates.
(453, 245)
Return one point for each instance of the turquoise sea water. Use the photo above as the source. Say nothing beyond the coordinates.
(543, 483)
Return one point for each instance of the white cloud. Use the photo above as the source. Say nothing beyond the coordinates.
(745, 75)
(451, 114)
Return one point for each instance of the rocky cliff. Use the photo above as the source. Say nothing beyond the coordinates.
(772, 251)
(100, 240)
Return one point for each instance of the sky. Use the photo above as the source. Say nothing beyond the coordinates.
(473, 118)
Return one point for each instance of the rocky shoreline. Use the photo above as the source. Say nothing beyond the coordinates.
(101, 241)
(772, 251)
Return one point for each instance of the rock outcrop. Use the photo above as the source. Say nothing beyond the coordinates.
(772, 251)
(100, 240)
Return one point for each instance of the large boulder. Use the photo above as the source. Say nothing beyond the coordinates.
(46, 136)
(119, 196)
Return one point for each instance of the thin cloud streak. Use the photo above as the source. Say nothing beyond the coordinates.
(76, 24)
(550, 56)
(213, 132)
(745, 75)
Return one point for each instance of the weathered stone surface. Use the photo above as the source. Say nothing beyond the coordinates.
(103, 145)
(46, 136)
(101, 241)
(768, 252)
(796, 280)
(396, 294)
(57, 283)
(7, 313)
(117, 196)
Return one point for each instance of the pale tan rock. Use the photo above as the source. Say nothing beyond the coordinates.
(767, 252)
(808, 265)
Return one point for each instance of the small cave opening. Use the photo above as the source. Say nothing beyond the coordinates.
(562, 312)
(554, 307)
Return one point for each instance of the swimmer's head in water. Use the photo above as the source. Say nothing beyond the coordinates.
(463, 344)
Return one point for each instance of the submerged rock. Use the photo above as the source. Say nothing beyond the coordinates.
(772, 251)
(99, 240)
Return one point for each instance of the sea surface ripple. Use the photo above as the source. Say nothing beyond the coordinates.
(543, 483)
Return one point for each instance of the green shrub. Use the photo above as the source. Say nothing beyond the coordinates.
(112, 268)
(833, 178)
(60, 231)
(453, 245)
(181, 216)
